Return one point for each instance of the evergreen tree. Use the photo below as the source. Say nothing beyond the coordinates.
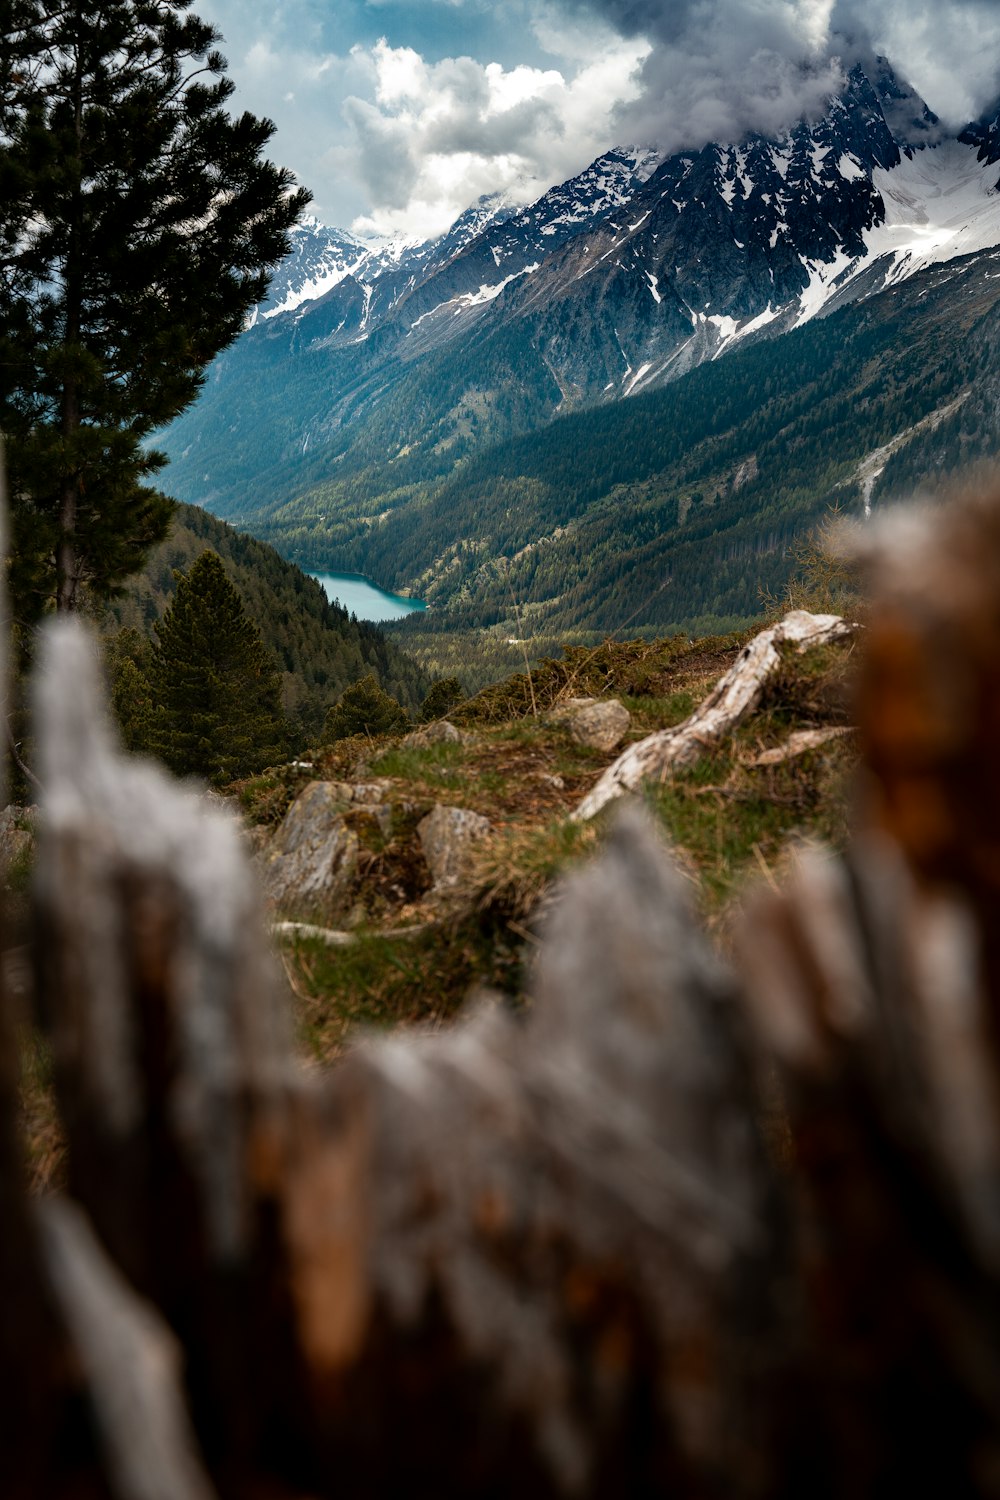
(138, 224)
(443, 696)
(128, 657)
(365, 708)
(216, 688)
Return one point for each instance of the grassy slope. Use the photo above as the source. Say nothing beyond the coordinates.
(729, 821)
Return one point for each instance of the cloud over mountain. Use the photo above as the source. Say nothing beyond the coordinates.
(437, 136)
(717, 68)
(398, 114)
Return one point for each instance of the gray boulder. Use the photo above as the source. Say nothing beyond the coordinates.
(438, 733)
(598, 723)
(360, 793)
(311, 864)
(449, 837)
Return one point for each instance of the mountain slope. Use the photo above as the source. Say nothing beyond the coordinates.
(319, 647)
(324, 422)
(677, 508)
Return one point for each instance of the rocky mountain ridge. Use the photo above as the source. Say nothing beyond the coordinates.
(810, 196)
(344, 408)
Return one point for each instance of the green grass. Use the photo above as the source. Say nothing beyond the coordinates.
(520, 864)
(649, 713)
(380, 982)
(732, 822)
(265, 798)
(728, 821)
(416, 763)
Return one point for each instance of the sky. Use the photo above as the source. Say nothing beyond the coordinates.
(398, 114)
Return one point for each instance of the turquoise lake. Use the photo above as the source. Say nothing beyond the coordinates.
(365, 599)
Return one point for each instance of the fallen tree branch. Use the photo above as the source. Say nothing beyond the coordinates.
(800, 743)
(734, 696)
(334, 938)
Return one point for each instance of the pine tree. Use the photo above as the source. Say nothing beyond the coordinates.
(128, 656)
(444, 695)
(365, 708)
(138, 224)
(216, 688)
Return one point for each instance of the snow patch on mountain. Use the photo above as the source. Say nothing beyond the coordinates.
(940, 203)
(607, 184)
(319, 258)
(323, 280)
(825, 278)
(486, 293)
(322, 258)
(871, 468)
(635, 380)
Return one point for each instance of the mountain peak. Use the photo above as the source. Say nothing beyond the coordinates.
(984, 134)
(614, 282)
(912, 123)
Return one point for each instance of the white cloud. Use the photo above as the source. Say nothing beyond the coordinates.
(436, 136)
(948, 49)
(398, 136)
(718, 67)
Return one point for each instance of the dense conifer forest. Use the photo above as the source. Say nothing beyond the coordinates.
(320, 648)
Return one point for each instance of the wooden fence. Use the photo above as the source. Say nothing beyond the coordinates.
(685, 1227)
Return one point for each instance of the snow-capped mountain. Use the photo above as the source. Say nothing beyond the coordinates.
(742, 240)
(615, 282)
(487, 248)
(665, 263)
(320, 257)
(517, 246)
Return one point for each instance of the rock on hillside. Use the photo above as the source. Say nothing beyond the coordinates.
(598, 725)
(474, 826)
(449, 837)
(312, 864)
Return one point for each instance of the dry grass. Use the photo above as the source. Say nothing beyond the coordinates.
(730, 822)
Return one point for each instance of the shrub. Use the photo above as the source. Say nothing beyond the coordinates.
(365, 708)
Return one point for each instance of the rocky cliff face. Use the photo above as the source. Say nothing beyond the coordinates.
(635, 252)
(719, 245)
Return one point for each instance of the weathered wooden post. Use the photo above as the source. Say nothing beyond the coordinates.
(555, 1253)
(92, 1400)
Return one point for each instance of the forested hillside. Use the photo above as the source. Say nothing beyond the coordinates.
(675, 509)
(389, 431)
(320, 648)
(614, 283)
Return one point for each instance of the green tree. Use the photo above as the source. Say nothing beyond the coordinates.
(216, 688)
(443, 696)
(128, 657)
(138, 226)
(365, 708)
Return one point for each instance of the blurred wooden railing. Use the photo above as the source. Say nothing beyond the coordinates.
(559, 1253)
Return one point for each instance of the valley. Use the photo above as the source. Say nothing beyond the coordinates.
(676, 509)
(500, 856)
(617, 409)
